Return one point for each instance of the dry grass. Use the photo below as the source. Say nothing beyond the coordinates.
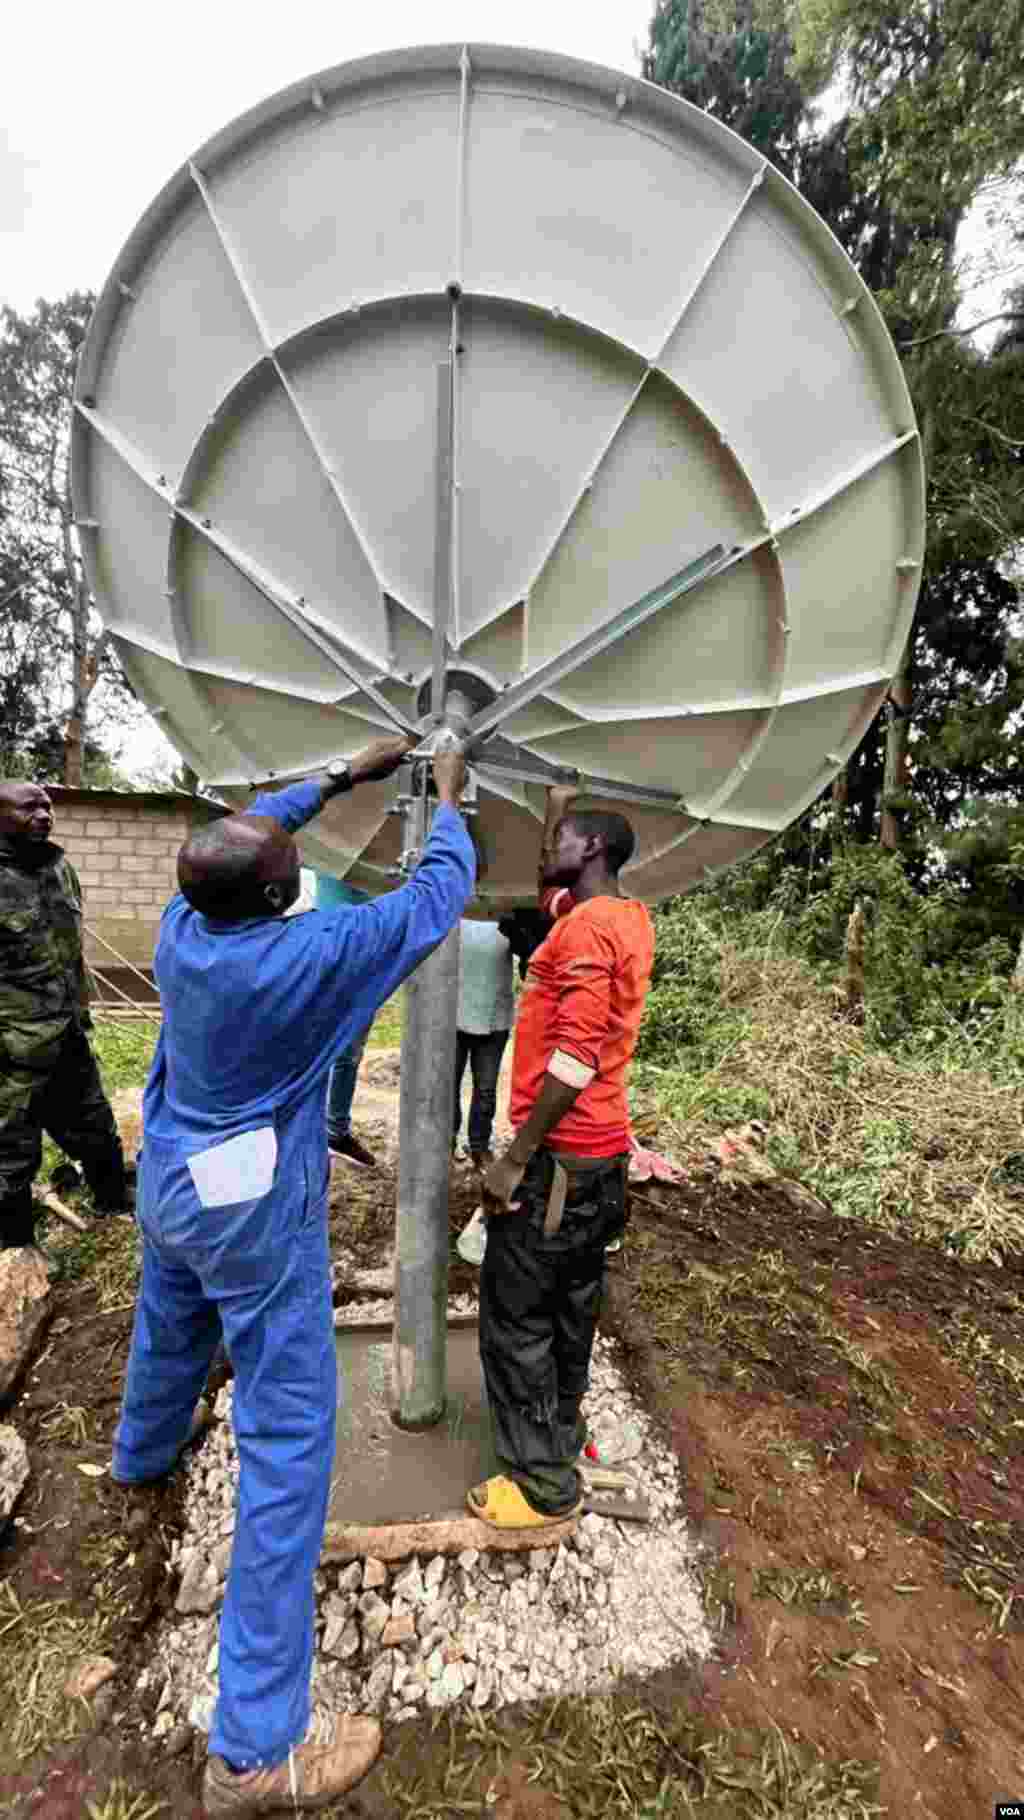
(67, 1425)
(811, 1589)
(120, 1804)
(107, 1255)
(616, 1759)
(914, 1147)
(39, 1646)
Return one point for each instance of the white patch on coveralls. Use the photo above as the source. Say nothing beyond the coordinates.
(242, 1169)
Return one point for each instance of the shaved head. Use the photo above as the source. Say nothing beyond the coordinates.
(245, 865)
(26, 812)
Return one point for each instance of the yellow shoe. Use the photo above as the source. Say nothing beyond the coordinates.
(500, 1502)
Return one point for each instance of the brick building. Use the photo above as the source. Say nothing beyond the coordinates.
(124, 847)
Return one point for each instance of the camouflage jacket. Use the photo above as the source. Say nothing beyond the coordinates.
(42, 975)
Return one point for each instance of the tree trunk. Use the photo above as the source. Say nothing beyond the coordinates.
(1013, 1013)
(84, 657)
(896, 777)
(853, 985)
(897, 755)
(81, 689)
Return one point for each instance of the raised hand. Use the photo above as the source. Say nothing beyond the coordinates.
(381, 758)
(449, 774)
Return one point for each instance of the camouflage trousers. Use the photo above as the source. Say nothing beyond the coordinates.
(59, 1093)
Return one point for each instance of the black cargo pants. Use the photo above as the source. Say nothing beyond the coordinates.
(540, 1298)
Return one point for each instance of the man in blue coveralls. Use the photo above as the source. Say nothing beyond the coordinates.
(232, 1206)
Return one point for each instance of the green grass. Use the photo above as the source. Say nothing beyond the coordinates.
(124, 1049)
(386, 1032)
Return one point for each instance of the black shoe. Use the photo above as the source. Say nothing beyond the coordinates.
(352, 1150)
(123, 1204)
(66, 1179)
(112, 1186)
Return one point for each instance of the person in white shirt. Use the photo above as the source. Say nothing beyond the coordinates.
(486, 1006)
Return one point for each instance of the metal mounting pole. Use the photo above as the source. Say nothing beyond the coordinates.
(419, 1379)
(426, 1099)
(425, 1106)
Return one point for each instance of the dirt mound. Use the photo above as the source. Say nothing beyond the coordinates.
(847, 1410)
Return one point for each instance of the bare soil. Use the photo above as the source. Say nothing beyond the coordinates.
(847, 1413)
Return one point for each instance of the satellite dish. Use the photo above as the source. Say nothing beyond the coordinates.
(660, 521)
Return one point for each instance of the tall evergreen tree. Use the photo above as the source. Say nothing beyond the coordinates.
(737, 71)
(895, 194)
(53, 649)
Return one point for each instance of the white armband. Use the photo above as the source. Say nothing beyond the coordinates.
(571, 1072)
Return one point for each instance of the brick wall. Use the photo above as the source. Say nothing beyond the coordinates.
(124, 850)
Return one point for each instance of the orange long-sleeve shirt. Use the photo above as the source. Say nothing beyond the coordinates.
(581, 1006)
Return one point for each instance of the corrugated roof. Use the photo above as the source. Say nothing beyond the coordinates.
(170, 799)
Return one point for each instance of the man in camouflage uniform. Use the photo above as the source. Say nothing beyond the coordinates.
(49, 1080)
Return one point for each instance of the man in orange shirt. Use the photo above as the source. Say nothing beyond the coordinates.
(558, 1195)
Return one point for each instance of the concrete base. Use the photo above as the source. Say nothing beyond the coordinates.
(385, 1474)
(396, 1493)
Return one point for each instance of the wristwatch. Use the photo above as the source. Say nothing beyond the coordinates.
(340, 774)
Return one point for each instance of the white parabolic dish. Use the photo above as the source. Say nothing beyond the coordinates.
(686, 519)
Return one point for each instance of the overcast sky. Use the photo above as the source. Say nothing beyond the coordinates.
(100, 103)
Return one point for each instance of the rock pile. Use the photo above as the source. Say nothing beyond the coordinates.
(25, 1303)
(484, 1628)
(13, 1471)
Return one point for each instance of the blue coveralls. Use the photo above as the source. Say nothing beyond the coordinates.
(254, 1014)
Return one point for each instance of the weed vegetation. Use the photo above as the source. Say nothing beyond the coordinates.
(908, 1118)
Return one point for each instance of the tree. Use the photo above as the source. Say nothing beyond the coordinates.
(49, 630)
(938, 90)
(883, 178)
(21, 669)
(735, 69)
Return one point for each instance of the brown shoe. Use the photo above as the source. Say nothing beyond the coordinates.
(312, 1775)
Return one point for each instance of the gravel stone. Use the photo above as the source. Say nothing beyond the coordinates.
(14, 1470)
(484, 1629)
(379, 1684)
(374, 1614)
(341, 1637)
(200, 1713)
(409, 1584)
(398, 1630)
